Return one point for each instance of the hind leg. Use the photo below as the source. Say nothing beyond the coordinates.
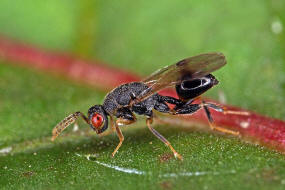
(192, 108)
(212, 124)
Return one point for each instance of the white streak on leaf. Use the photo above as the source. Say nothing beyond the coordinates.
(139, 172)
(125, 170)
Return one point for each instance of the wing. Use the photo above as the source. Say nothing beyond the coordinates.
(193, 67)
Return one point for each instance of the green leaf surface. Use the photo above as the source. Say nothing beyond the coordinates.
(139, 36)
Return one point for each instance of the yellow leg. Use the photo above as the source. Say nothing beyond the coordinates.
(164, 140)
(235, 112)
(221, 129)
(210, 119)
(120, 121)
(121, 138)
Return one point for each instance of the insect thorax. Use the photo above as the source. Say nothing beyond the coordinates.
(122, 95)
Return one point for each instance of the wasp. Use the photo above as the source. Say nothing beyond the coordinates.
(191, 77)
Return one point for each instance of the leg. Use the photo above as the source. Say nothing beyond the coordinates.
(171, 100)
(180, 106)
(212, 124)
(120, 121)
(192, 108)
(162, 106)
(186, 109)
(126, 114)
(177, 102)
(224, 110)
(160, 137)
(66, 122)
(121, 138)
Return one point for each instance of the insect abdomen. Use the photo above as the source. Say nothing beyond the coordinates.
(189, 89)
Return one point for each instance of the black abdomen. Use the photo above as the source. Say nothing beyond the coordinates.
(192, 88)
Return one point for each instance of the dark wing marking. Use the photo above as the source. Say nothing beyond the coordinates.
(193, 67)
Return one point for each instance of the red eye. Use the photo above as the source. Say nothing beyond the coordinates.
(97, 120)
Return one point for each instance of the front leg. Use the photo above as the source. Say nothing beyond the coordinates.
(120, 121)
(121, 138)
(125, 117)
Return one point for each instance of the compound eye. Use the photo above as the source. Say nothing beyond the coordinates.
(97, 120)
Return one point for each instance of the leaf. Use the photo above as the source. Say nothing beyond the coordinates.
(141, 36)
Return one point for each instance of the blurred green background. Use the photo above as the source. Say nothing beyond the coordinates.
(140, 36)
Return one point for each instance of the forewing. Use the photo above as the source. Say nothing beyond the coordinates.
(193, 67)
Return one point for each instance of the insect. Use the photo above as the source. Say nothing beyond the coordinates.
(191, 77)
